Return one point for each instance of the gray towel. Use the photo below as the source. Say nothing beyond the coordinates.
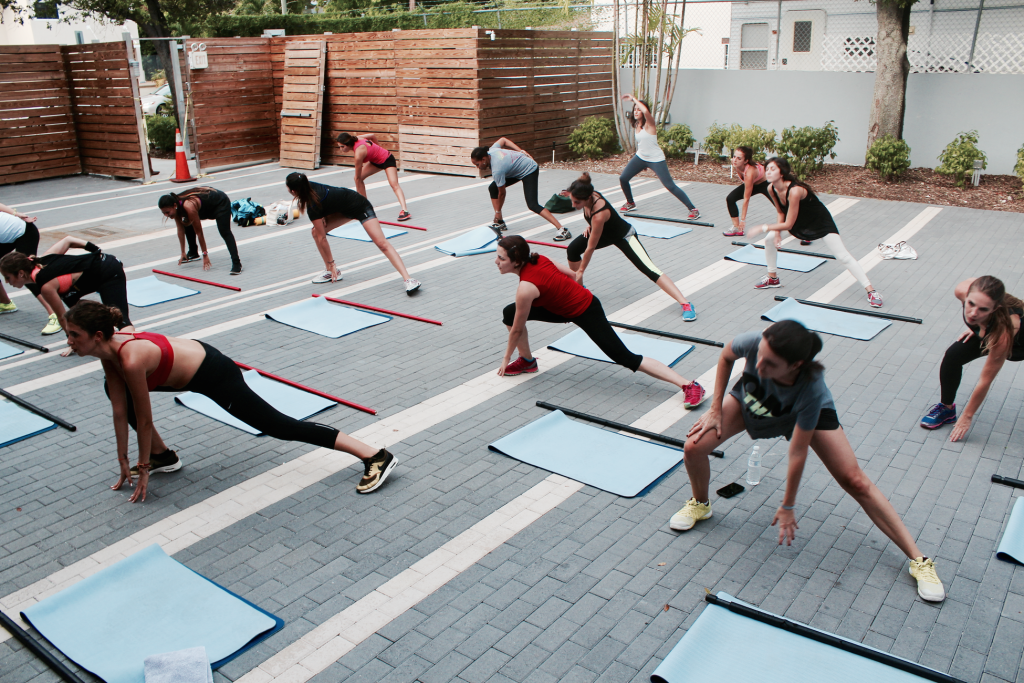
(184, 666)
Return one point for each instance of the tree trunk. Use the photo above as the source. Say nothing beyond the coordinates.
(889, 101)
(156, 27)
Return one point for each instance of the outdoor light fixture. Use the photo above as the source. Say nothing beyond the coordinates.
(976, 178)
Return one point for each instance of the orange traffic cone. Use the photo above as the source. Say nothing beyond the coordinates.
(181, 172)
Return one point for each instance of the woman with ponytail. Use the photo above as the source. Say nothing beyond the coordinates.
(329, 207)
(782, 392)
(140, 362)
(606, 227)
(189, 209)
(371, 158)
(754, 182)
(549, 292)
(993, 318)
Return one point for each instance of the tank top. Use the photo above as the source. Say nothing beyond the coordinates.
(163, 369)
(559, 293)
(759, 176)
(61, 267)
(647, 146)
(615, 227)
(375, 154)
(212, 202)
(813, 220)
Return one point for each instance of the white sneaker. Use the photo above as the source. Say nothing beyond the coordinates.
(905, 252)
(690, 515)
(325, 277)
(411, 285)
(929, 587)
(888, 251)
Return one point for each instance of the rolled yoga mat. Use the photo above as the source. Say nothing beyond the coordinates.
(841, 324)
(578, 343)
(149, 291)
(755, 257)
(658, 230)
(1011, 545)
(356, 232)
(324, 318)
(612, 462)
(17, 424)
(477, 241)
(289, 400)
(6, 351)
(147, 604)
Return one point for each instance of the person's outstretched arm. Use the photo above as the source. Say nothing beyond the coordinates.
(27, 219)
(62, 246)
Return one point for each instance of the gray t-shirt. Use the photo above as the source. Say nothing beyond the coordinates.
(771, 409)
(508, 165)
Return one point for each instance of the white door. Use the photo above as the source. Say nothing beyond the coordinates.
(800, 41)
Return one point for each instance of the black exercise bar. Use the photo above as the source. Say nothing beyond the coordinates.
(846, 309)
(38, 650)
(37, 410)
(788, 251)
(833, 640)
(670, 220)
(673, 335)
(29, 344)
(653, 436)
(1015, 483)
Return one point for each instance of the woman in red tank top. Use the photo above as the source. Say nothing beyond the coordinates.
(371, 158)
(548, 291)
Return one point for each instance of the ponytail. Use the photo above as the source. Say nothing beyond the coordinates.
(15, 262)
(299, 184)
(582, 188)
(518, 250)
(794, 343)
(347, 140)
(93, 317)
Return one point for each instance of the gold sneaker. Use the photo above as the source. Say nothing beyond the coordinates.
(376, 471)
(929, 587)
(52, 325)
(690, 515)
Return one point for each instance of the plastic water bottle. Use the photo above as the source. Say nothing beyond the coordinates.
(754, 466)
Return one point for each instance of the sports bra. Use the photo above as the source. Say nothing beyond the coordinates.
(163, 370)
(64, 282)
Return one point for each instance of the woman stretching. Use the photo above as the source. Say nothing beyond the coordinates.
(160, 363)
(605, 228)
(754, 182)
(549, 292)
(806, 219)
(328, 207)
(649, 155)
(372, 158)
(782, 393)
(993, 319)
(189, 209)
(18, 232)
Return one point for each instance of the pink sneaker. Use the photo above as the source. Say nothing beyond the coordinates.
(735, 232)
(875, 299)
(693, 395)
(768, 282)
(628, 206)
(693, 215)
(521, 365)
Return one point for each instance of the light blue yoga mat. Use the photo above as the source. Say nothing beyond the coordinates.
(148, 291)
(721, 644)
(1011, 545)
(319, 315)
(6, 351)
(578, 343)
(17, 424)
(841, 324)
(612, 462)
(477, 241)
(144, 605)
(755, 257)
(289, 400)
(663, 231)
(356, 232)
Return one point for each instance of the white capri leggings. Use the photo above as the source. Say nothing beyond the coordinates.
(834, 244)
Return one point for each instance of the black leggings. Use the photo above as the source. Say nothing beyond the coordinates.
(529, 190)
(593, 322)
(224, 228)
(221, 380)
(630, 246)
(957, 356)
(737, 196)
(107, 279)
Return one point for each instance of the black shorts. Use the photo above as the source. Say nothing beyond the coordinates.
(357, 208)
(27, 244)
(388, 163)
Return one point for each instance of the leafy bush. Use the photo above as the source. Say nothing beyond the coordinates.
(594, 138)
(715, 139)
(755, 137)
(807, 147)
(889, 157)
(1019, 168)
(959, 156)
(160, 130)
(676, 140)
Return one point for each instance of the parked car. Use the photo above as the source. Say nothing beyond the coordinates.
(154, 102)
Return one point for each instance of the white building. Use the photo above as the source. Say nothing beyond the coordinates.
(47, 23)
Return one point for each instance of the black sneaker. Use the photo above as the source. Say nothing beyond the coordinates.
(376, 471)
(236, 269)
(498, 227)
(189, 257)
(805, 243)
(168, 461)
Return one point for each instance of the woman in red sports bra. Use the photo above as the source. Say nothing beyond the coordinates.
(136, 363)
(371, 158)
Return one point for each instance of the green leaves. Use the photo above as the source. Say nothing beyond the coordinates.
(759, 139)
(675, 140)
(594, 138)
(160, 131)
(959, 156)
(715, 139)
(889, 157)
(807, 147)
(1019, 168)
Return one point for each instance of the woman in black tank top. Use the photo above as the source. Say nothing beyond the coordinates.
(606, 228)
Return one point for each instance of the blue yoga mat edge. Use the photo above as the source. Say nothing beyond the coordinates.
(28, 436)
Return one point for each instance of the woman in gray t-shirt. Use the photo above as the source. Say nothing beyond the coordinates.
(782, 393)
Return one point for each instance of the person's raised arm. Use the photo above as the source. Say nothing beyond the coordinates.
(193, 217)
(505, 143)
(27, 219)
(712, 420)
(786, 518)
(994, 361)
(135, 380)
(525, 295)
(65, 243)
(372, 137)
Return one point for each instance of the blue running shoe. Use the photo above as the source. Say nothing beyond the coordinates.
(689, 313)
(938, 416)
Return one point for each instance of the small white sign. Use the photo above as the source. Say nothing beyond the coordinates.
(197, 60)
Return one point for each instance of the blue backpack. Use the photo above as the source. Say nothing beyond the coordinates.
(246, 211)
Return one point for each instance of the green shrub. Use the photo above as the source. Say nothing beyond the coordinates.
(1019, 168)
(756, 138)
(959, 156)
(715, 139)
(160, 130)
(676, 140)
(594, 138)
(889, 157)
(807, 147)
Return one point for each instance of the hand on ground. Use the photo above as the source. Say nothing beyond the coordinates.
(139, 496)
(206, 263)
(963, 423)
(787, 525)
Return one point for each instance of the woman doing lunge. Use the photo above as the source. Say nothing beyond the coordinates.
(329, 207)
(993, 318)
(754, 182)
(782, 393)
(549, 292)
(649, 155)
(371, 158)
(606, 228)
(189, 209)
(806, 219)
(138, 363)
(18, 232)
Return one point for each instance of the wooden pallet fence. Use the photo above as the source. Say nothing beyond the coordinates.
(37, 132)
(302, 104)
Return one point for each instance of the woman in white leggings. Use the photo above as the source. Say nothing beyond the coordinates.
(806, 219)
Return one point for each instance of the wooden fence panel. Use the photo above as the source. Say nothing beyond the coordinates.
(37, 131)
(302, 104)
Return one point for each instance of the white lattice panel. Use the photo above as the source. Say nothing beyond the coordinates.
(999, 54)
(939, 53)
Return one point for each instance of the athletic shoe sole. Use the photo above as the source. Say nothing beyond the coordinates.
(383, 476)
(8, 310)
(236, 272)
(768, 286)
(405, 218)
(521, 372)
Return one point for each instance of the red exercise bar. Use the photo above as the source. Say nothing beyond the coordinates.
(195, 279)
(401, 225)
(290, 383)
(382, 310)
(549, 244)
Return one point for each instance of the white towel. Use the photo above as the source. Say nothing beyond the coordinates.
(184, 666)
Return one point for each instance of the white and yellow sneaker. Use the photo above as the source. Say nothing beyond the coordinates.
(690, 515)
(52, 325)
(8, 307)
(929, 587)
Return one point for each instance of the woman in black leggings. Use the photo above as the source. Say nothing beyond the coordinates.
(189, 209)
(162, 363)
(993, 319)
(754, 182)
